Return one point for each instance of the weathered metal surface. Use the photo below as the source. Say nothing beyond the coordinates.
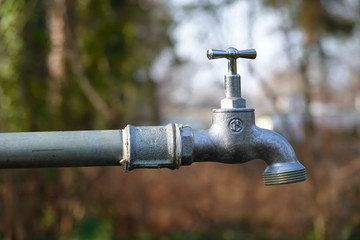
(234, 138)
(151, 147)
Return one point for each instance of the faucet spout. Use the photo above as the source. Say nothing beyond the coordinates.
(283, 166)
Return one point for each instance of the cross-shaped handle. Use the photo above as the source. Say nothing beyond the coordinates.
(231, 54)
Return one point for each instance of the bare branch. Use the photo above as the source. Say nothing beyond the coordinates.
(89, 91)
(75, 64)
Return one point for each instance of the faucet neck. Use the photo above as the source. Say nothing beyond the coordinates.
(233, 97)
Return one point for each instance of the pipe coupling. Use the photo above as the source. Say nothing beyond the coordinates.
(157, 147)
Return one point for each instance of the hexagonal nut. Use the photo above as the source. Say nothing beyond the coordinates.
(233, 103)
(187, 145)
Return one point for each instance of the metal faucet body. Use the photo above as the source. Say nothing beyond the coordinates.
(232, 138)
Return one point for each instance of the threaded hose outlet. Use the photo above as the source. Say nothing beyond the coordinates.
(283, 173)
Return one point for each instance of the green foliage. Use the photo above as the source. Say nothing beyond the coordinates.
(93, 228)
(119, 42)
(69, 65)
(11, 45)
(114, 44)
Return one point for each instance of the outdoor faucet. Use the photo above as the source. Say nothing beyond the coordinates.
(232, 138)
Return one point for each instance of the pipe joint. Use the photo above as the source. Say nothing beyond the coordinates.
(157, 147)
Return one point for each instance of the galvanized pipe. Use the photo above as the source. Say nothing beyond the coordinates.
(60, 149)
(133, 147)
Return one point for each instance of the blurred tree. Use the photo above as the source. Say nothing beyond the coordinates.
(86, 65)
(68, 65)
(319, 22)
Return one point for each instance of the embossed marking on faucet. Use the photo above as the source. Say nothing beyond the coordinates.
(235, 125)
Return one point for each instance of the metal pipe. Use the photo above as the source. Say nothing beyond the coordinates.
(60, 149)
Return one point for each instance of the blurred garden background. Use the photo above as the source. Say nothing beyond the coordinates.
(83, 65)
